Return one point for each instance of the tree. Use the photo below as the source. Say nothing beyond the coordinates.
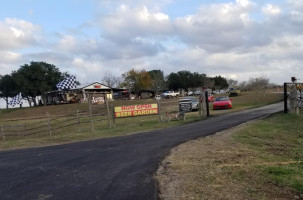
(37, 78)
(197, 80)
(185, 79)
(110, 80)
(173, 81)
(243, 85)
(8, 87)
(258, 85)
(219, 82)
(232, 83)
(157, 80)
(136, 80)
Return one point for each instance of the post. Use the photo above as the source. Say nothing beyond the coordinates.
(159, 115)
(78, 121)
(207, 103)
(114, 117)
(108, 113)
(285, 98)
(90, 111)
(200, 103)
(2, 131)
(203, 101)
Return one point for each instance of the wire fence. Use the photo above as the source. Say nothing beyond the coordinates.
(50, 125)
(78, 121)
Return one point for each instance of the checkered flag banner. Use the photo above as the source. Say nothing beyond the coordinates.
(16, 100)
(67, 83)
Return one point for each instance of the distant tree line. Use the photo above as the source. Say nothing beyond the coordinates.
(37, 78)
(155, 80)
(32, 80)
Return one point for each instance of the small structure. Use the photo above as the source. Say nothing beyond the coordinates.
(99, 92)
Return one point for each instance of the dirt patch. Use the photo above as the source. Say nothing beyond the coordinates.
(216, 167)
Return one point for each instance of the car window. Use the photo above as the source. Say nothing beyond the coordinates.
(221, 98)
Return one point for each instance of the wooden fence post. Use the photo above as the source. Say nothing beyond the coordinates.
(200, 106)
(108, 114)
(2, 131)
(78, 121)
(159, 108)
(90, 111)
(114, 117)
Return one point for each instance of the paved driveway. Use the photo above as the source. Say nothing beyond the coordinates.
(113, 168)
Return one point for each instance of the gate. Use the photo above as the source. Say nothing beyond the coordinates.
(293, 97)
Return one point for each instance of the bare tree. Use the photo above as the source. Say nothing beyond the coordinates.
(110, 80)
(243, 85)
(232, 82)
(258, 85)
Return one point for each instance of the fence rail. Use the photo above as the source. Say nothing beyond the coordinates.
(79, 120)
(46, 124)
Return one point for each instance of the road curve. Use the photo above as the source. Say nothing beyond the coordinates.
(112, 168)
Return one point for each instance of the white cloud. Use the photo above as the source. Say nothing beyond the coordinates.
(127, 23)
(229, 39)
(270, 9)
(296, 4)
(15, 33)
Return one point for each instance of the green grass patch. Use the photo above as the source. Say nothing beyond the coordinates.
(278, 143)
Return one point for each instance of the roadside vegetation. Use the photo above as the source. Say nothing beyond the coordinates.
(125, 126)
(259, 160)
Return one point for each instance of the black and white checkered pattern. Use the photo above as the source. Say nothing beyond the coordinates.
(16, 100)
(67, 83)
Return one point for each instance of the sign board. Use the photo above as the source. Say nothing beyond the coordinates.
(136, 110)
(98, 100)
(185, 106)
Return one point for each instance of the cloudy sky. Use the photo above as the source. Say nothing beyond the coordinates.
(236, 39)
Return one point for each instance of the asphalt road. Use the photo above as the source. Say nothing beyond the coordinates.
(113, 168)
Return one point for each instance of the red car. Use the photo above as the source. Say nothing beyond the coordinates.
(222, 103)
(210, 98)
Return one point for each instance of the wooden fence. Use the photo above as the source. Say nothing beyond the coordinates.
(80, 120)
(49, 125)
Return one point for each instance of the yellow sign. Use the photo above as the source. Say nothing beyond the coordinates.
(136, 110)
(299, 86)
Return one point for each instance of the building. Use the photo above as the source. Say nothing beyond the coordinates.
(98, 91)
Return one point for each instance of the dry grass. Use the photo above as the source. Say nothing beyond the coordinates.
(240, 163)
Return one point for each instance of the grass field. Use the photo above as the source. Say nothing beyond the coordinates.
(28, 116)
(258, 160)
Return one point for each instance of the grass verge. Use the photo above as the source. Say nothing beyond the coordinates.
(260, 160)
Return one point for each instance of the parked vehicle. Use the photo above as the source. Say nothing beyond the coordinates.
(170, 94)
(158, 97)
(198, 92)
(210, 98)
(222, 103)
(75, 99)
(194, 102)
(122, 95)
(190, 93)
(234, 92)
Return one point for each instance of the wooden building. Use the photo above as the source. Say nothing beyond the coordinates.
(99, 92)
